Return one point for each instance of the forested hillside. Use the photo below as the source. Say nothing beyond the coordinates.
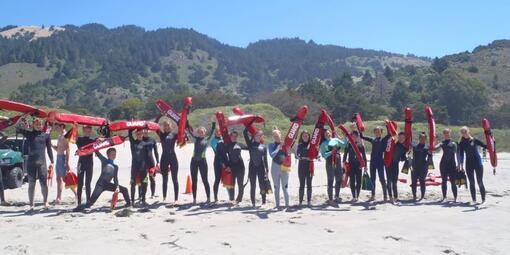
(115, 72)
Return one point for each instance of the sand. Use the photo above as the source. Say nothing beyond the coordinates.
(428, 227)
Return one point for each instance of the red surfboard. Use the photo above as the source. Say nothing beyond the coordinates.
(316, 137)
(20, 107)
(76, 118)
(169, 112)
(391, 143)
(251, 128)
(408, 127)
(354, 145)
(291, 135)
(330, 123)
(491, 143)
(432, 128)
(9, 122)
(245, 120)
(134, 124)
(359, 122)
(223, 126)
(181, 132)
(99, 144)
(293, 131)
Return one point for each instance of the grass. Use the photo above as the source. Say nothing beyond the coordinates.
(13, 75)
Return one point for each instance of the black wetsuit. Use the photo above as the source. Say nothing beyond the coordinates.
(138, 166)
(448, 167)
(219, 160)
(85, 169)
(235, 161)
(169, 161)
(473, 164)
(37, 142)
(151, 146)
(421, 156)
(377, 161)
(305, 177)
(257, 167)
(392, 171)
(109, 171)
(355, 172)
(199, 162)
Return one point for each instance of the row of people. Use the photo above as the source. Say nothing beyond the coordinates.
(229, 155)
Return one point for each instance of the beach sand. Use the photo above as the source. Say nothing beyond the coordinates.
(427, 227)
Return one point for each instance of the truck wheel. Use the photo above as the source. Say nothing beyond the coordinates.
(14, 178)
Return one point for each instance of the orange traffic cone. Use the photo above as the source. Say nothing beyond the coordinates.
(188, 186)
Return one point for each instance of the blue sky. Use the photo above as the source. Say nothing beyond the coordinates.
(425, 28)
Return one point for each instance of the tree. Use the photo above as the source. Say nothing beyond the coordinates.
(344, 81)
(400, 96)
(367, 78)
(388, 73)
(465, 99)
(439, 65)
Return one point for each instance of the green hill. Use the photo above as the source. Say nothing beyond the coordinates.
(13, 75)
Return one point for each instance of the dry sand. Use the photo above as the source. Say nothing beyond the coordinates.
(429, 227)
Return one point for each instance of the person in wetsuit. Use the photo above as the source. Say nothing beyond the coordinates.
(421, 157)
(448, 166)
(138, 165)
(220, 158)
(280, 177)
(392, 171)
(377, 159)
(168, 158)
(355, 165)
(85, 165)
(258, 167)
(304, 174)
(151, 146)
(468, 146)
(199, 161)
(235, 162)
(109, 171)
(334, 172)
(37, 142)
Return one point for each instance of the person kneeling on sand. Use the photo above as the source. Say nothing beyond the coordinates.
(109, 171)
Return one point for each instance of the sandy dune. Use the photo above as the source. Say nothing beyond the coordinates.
(428, 227)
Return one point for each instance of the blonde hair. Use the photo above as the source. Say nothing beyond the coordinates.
(202, 129)
(464, 129)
